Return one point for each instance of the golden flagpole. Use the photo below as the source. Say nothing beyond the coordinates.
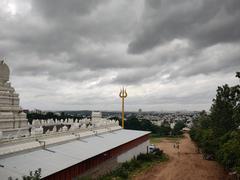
(123, 95)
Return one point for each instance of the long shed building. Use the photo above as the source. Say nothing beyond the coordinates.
(69, 160)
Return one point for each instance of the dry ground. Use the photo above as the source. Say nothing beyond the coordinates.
(186, 165)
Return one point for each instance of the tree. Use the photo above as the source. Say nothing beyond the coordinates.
(133, 123)
(177, 130)
(146, 125)
(218, 133)
(229, 152)
(164, 130)
(238, 75)
(224, 108)
(32, 176)
(35, 176)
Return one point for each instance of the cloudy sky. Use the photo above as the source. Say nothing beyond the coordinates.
(77, 54)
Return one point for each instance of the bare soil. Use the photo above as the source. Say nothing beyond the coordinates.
(184, 164)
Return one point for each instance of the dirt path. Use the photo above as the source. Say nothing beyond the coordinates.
(188, 165)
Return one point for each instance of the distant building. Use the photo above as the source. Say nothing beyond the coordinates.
(37, 111)
(140, 111)
(96, 115)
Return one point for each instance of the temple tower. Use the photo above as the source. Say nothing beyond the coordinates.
(13, 120)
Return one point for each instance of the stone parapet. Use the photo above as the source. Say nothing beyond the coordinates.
(8, 147)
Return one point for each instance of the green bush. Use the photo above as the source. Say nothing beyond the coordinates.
(121, 172)
(134, 164)
(124, 171)
(229, 152)
(144, 157)
(33, 176)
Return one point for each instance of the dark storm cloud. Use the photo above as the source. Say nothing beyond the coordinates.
(54, 27)
(85, 50)
(60, 27)
(203, 22)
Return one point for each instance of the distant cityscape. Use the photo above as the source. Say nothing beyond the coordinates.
(157, 118)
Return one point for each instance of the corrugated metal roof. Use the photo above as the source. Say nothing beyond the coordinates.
(65, 155)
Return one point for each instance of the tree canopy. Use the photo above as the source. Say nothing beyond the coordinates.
(218, 133)
(164, 130)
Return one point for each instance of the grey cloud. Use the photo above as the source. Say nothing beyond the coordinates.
(62, 9)
(196, 98)
(154, 4)
(203, 22)
(136, 75)
(56, 70)
(76, 54)
(60, 26)
(213, 60)
(207, 68)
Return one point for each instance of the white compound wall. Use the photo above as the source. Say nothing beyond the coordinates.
(141, 148)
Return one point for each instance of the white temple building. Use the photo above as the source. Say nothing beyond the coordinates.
(63, 149)
(13, 121)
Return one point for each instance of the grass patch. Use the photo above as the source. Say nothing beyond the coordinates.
(130, 168)
(155, 138)
(148, 165)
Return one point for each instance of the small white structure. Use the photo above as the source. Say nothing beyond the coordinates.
(64, 128)
(36, 123)
(36, 131)
(96, 115)
(83, 126)
(172, 125)
(54, 129)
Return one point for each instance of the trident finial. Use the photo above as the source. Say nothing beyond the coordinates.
(123, 94)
